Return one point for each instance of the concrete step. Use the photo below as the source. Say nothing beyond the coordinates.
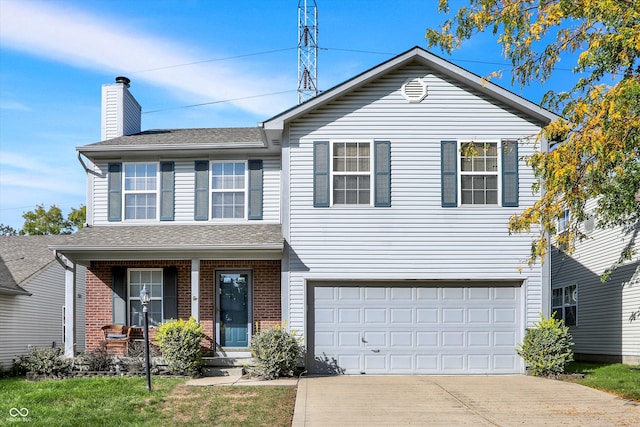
(227, 362)
(210, 371)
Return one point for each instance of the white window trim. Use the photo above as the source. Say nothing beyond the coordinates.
(560, 227)
(557, 307)
(498, 172)
(137, 297)
(245, 191)
(125, 192)
(371, 174)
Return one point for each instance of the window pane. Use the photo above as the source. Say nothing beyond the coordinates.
(155, 312)
(492, 197)
(570, 316)
(556, 300)
(570, 295)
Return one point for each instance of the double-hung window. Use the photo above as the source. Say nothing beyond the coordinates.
(228, 190)
(138, 279)
(351, 169)
(564, 304)
(140, 190)
(479, 173)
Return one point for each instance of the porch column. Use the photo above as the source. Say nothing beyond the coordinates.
(195, 289)
(70, 308)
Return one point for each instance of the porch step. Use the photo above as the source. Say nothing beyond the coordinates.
(225, 366)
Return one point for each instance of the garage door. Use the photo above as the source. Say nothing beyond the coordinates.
(415, 330)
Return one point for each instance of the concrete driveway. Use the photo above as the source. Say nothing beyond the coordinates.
(456, 401)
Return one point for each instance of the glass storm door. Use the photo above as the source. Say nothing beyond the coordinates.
(234, 298)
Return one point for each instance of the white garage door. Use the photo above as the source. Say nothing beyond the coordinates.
(415, 330)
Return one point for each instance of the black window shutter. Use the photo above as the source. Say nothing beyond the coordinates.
(321, 174)
(167, 188)
(255, 189)
(115, 192)
(170, 293)
(449, 173)
(201, 199)
(510, 173)
(119, 287)
(382, 173)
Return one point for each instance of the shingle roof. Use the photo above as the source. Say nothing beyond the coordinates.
(229, 136)
(175, 237)
(22, 257)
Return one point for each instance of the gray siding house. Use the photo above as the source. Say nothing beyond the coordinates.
(372, 219)
(599, 315)
(32, 297)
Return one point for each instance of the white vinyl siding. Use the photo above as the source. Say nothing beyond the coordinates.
(415, 238)
(604, 327)
(36, 320)
(184, 191)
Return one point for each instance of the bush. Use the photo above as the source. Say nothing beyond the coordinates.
(276, 351)
(180, 346)
(97, 360)
(44, 361)
(546, 348)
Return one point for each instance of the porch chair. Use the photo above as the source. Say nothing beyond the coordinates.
(117, 338)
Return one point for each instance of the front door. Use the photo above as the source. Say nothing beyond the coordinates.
(234, 319)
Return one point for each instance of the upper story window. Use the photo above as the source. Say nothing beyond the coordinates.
(351, 169)
(564, 304)
(479, 173)
(140, 190)
(563, 221)
(351, 173)
(228, 189)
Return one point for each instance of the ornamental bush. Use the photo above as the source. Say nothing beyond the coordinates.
(546, 348)
(180, 346)
(45, 361)
(276, 351)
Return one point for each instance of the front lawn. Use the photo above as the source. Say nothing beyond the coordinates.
(124, 401)
(619, 379)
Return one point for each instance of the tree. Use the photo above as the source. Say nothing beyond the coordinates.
(598, 136)
(40, 221)
(7, 230)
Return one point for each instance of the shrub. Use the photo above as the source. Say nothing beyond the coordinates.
(180, 346)
(97, 360)
(276, 351)
(546, 348)
(44, 361)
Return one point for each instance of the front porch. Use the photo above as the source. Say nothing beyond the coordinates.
(232, 299)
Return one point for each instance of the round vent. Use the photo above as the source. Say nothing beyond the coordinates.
(414, 90)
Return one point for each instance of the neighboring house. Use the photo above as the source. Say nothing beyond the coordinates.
(372, 219)
(32, 297)
(600, 315)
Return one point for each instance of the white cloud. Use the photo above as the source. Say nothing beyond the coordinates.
(13, 105)
(88, 41)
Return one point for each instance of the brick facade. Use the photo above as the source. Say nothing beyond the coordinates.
(266, 293)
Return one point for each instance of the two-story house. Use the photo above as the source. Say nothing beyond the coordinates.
(372, 219)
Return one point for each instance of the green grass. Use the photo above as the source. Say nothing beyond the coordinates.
(125, 402)
(619, 379)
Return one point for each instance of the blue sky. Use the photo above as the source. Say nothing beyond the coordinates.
(55, 55)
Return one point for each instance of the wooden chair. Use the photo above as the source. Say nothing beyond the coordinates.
(117, 338)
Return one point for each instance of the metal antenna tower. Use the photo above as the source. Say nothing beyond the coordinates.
(307, 50)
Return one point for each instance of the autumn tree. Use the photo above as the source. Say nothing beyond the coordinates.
(41, 221)
(597, 140)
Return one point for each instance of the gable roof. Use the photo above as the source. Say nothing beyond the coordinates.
(272, 128)
(169, 241)
(22, 258)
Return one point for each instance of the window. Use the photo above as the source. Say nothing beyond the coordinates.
(228, 189)
(564, 304)
(563, 221)
(351, 168)
(152, 279)
(140, 190)
(479, 173)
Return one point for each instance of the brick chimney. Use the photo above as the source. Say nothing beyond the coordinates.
(121, 113)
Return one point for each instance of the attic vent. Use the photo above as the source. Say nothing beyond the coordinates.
(589, 224)
(414, 90)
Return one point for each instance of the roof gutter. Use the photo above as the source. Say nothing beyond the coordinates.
(61, 261)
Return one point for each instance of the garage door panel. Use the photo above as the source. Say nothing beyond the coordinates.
(404, 330)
